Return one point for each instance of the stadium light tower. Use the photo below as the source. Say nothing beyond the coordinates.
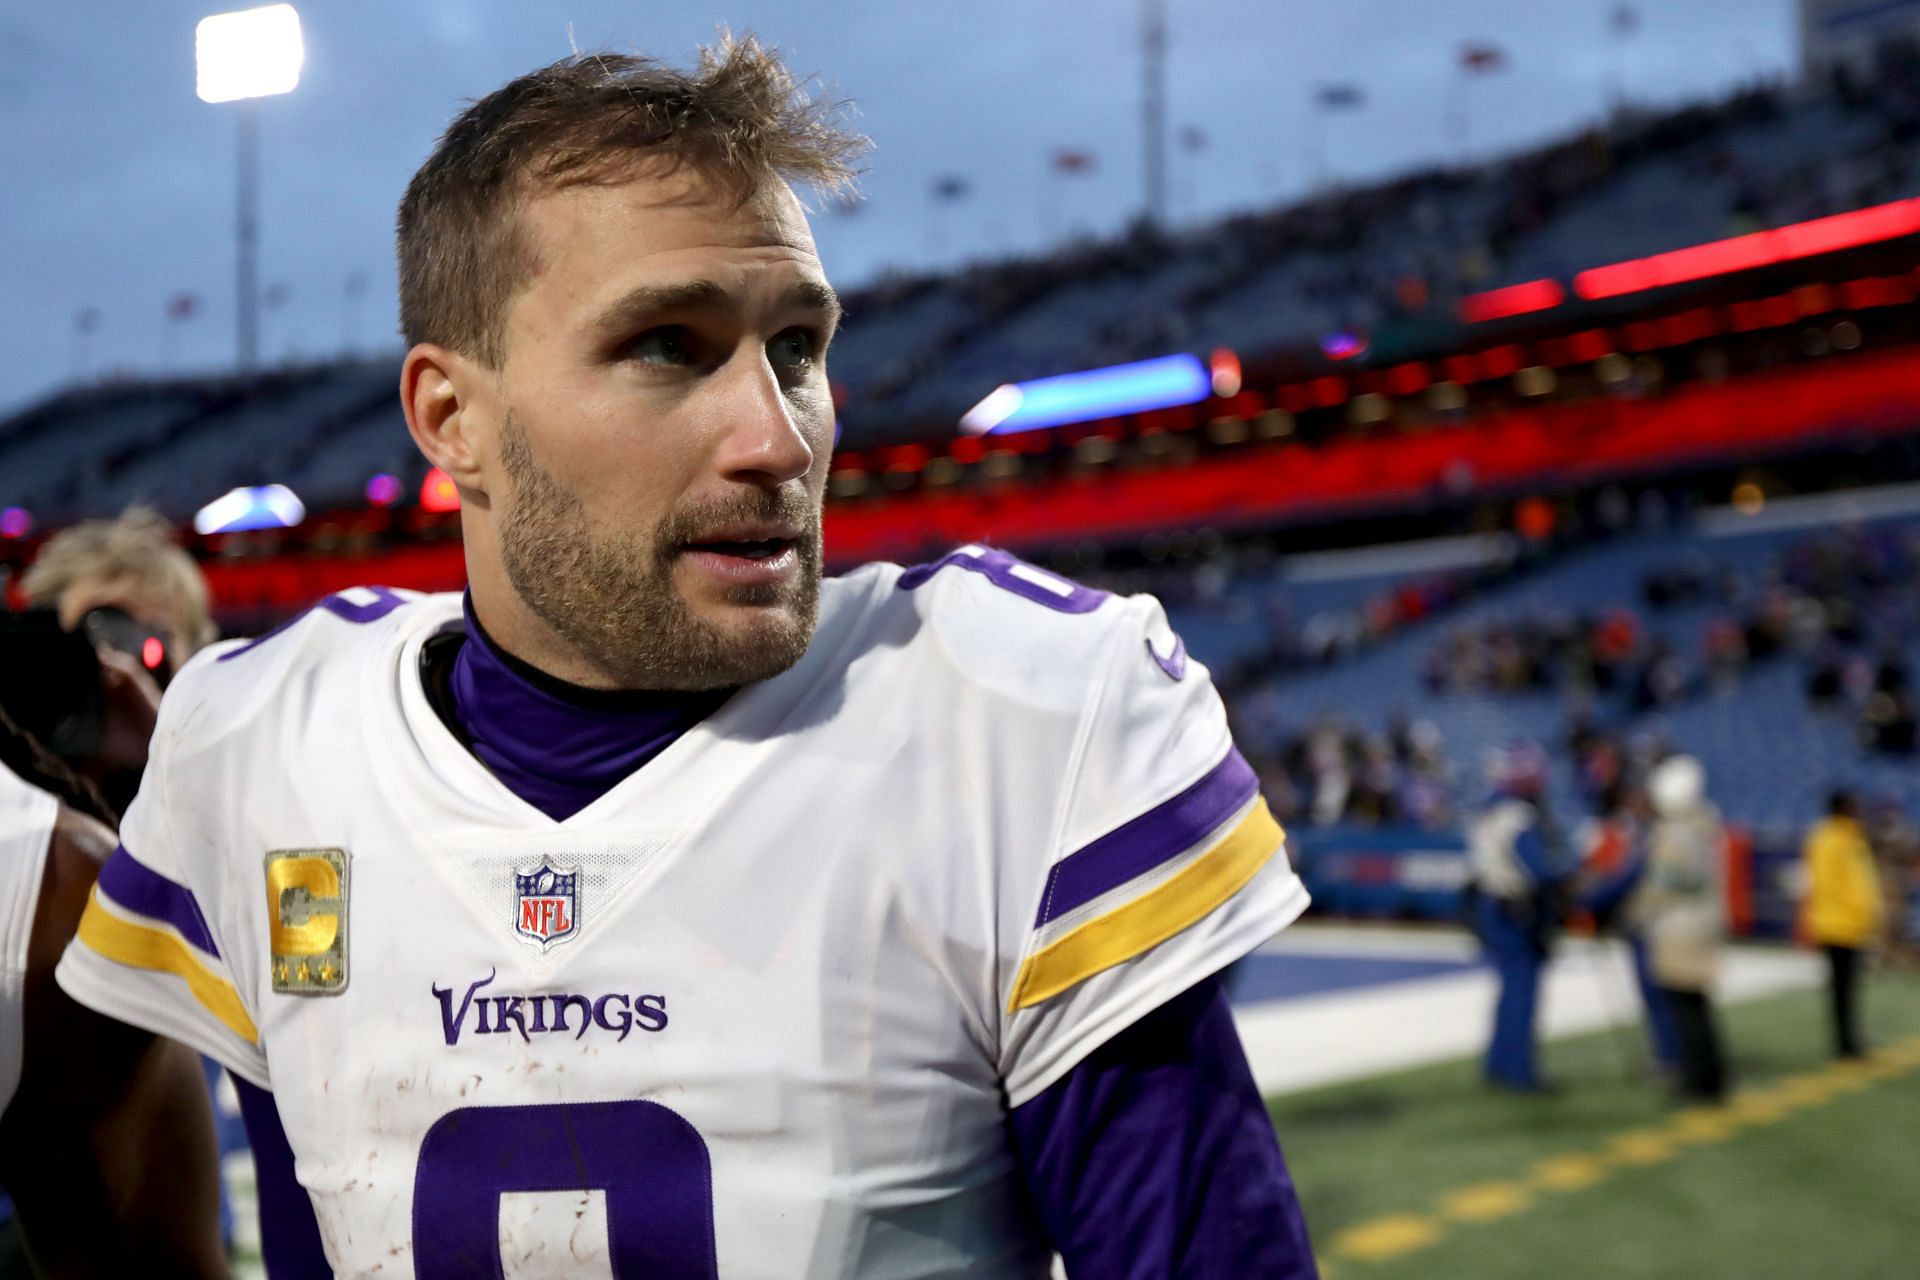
(241, 57)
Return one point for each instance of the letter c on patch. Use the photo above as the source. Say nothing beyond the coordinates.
(316, 930)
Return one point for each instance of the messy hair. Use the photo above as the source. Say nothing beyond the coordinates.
(739, 118)
(32, 762)
(138, 545)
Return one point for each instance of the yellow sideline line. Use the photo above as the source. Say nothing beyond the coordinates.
(1399, 1234)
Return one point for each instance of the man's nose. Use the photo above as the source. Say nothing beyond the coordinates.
(764, 441)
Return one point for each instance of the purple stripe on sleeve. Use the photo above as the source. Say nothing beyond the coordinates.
(1164, 831)
(146, 892)
(385, 601)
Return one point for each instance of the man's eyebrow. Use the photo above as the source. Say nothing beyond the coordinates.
(818, 296)
(648, 301)
(644, 303)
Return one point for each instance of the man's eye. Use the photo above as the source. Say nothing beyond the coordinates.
(794, 349)
(672, 346)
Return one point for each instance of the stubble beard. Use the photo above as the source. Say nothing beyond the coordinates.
(615, 601)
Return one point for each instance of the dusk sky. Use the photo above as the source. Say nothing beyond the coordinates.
(119, 182)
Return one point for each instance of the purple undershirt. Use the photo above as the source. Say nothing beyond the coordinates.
(556, 745)
(1155, 1156)
(290, 1246)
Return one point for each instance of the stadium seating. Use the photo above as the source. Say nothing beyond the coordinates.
(1771, 755)
(916, 353)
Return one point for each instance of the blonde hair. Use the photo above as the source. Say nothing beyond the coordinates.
(137, 545)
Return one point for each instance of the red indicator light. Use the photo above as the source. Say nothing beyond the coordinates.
(438, 492)
(1514, 300)
(1223, 366)
(152, 653)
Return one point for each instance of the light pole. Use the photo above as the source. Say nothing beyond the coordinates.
(1153, 107)
(254, 53)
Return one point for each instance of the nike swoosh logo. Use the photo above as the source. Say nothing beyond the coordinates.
(1175, 663)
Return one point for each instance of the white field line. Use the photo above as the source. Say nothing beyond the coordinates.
(1314, 1040)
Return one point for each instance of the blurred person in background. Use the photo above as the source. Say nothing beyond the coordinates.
(1615, 864)
(1519, 876)
(134, 592)
(1844, 913)
(106, 1134)
(1676, 909)
(128, 567)
(1896, 852)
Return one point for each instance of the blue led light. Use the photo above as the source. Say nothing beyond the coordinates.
(1097, 393)
(266, 506)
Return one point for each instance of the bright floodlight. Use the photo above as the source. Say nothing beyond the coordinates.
(254, 53)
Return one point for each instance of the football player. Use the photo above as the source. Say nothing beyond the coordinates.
(657, 908)
(106, 1136)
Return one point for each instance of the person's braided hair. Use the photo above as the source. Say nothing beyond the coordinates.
(27, 756)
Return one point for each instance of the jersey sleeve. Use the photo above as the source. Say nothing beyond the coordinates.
(27, 817)
(1094, 1150)
(1165, 865)
(153, 948)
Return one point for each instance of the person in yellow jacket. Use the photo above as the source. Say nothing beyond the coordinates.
(1844, 912)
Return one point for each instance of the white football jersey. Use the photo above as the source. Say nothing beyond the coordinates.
(758, 1011)
(27, 816)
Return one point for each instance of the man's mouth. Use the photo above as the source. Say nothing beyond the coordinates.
(756, 553)
(745, 549)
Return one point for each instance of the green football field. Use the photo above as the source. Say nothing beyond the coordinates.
(1811, 1171)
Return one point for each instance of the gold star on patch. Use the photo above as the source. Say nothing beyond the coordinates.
(302, 973)
(280, 971)
(326, 972)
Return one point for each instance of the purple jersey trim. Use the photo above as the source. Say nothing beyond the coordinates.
(1155, 1157)
(1175, 663)
(1002, 569)
(560, 748)
(1162, 832)
(131, 885)
(289, 1233)
(385, 601)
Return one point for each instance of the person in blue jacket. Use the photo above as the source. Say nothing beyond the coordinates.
(1520, 874)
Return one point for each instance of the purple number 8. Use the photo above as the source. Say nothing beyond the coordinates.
(650, 1163)
(1010, 573)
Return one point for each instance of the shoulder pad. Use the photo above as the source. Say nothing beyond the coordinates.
(231, 683)
(1017, 629)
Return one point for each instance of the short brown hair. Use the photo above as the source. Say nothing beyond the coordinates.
(740, 117)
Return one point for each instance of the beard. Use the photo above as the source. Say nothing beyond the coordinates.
(613, 598)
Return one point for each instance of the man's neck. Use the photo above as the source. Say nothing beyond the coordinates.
(523, 637)
(556, 744)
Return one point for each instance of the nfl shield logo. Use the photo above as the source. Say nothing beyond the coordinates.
(546, 904)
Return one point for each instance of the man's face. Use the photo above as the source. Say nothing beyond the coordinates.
(662, 428)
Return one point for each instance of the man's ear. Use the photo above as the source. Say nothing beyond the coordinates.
(442, 392)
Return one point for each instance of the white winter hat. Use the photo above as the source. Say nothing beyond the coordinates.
(1677, 784)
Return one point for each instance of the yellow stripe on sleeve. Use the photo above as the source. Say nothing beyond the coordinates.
(1153, 917)
(140, 947)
